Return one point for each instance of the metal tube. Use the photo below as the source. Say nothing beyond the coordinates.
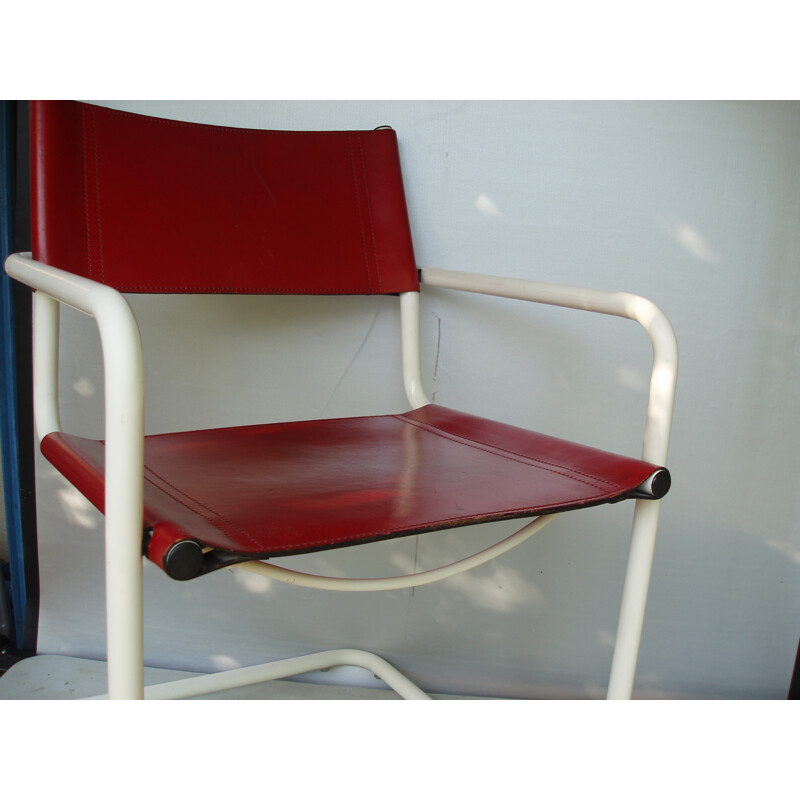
(246, 676)
(634, 599)
(124, 424)
(620, 304)
(410, 338)
(46, 313)
(655, 443)
(124, 436)
(400, 581)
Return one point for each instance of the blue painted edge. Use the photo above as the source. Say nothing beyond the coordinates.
(9, 423)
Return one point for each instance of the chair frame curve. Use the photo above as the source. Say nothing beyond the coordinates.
(124, 434)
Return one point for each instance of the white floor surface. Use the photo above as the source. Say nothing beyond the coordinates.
(48, 677)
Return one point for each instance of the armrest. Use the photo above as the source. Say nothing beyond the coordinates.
(124, 442)
(119, 336)
(621, 304)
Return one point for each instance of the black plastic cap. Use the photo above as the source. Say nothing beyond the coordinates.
(660, 484)
(184, 560)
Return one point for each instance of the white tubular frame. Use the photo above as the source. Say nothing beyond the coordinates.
(410, 329)
(124, 434)
(655, 447)
(399, 581)
(244, 676)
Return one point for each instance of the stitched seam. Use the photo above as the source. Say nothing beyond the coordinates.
(190, 499)
(216, 129)
(97, 200)
(369, 213)
(223, 130)
(239, 289)
(92, 475)
(518, 457)
(86, 111)
(360, 212)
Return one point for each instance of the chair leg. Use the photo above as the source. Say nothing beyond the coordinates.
(124, 618)
(246, 676)
(634, 599)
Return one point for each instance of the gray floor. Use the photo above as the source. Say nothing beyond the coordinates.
(64, 678)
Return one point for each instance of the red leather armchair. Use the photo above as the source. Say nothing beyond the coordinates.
(124, 203)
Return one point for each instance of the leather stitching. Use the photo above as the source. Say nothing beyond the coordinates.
(189, 499)
(369, 214)
(97, 199)
(210, 128)
(224, 130)
(86, 192)
(509, 454)
(376, 534)
(253, 289)
(360, 212)
(153, 477)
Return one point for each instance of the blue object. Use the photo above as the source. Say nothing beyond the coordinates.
(9, 422)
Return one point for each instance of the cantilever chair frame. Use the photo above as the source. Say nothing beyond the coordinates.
(124, 437)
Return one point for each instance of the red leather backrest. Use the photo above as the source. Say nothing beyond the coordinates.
(153, 205)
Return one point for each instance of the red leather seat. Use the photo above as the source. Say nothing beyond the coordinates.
(281, 489)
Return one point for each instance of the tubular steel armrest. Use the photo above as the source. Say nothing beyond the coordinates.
(655, 447)
(124, 435)
(621, 304)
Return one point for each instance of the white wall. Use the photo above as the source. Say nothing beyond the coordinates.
(694, 205)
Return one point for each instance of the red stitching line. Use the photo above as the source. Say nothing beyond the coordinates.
(196, 502)
(510, 455)
(369, 211)
(220, 130)
(97, 198)
(216, 129)
(360, 213)
(86, 111)
(93, 475)
(241, 289)
(520, 510)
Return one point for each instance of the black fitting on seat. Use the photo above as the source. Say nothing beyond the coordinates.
(184, 560)
(655, 487)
